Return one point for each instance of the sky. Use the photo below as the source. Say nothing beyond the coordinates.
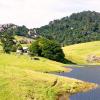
(36, 13)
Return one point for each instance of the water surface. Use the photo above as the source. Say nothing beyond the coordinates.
(90, 74)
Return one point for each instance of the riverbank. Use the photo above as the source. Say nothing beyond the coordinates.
(21, 84)
(90, 74)
(22, 78)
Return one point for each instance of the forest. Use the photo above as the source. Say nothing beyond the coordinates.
(77, 28)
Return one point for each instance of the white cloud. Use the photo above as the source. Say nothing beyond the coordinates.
(35, 13)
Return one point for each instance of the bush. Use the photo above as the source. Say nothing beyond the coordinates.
(47, 48)
(14, 48)
(34, 49)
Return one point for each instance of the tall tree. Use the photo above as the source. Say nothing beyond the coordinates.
(7, 40)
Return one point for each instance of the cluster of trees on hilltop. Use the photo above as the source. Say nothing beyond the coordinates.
(14, 29)
(19, 30)
(78, 28)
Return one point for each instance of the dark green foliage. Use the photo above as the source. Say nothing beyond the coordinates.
(14, 48)
(19, 46)
(34, 49)
(21, 31)
(15, 30)
(8, 42)
(78, 28)
(48, 49)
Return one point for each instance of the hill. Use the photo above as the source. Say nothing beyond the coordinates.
(77, 28)
(84, 53)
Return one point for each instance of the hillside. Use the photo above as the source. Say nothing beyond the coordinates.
(26, 62)
(20, 84)
(84, 53)
(77, 28)
(22, 78)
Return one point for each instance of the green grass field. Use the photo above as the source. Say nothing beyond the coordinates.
(25, 62)
(21, 84)
(23, 79)
(78, 53)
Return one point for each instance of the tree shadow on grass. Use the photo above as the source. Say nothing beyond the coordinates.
(65, 61)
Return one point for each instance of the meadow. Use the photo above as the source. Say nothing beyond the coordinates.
(23, 78)
(21, 84)
(78, 53)
(26, 62)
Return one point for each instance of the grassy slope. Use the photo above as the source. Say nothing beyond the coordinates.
(21, 84)
(20, 79)
(78, 53)
(19, 38)
(25, 62)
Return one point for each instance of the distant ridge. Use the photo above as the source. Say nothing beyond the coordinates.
(19, 30)
(77, 28)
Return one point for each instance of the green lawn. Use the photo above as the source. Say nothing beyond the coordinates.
(78, 53)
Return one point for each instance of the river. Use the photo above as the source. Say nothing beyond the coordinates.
(87, 73)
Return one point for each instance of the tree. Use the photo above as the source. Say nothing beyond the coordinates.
(21, 31)
(48, 49)
(34, 49)
(8, 42)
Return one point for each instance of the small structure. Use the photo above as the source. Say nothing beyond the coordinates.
(33, 33)
(25, 50)
(22, 50)
(19, 52)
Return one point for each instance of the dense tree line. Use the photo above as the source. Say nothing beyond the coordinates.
(18, 30)
(21, 31)
(77, 28)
